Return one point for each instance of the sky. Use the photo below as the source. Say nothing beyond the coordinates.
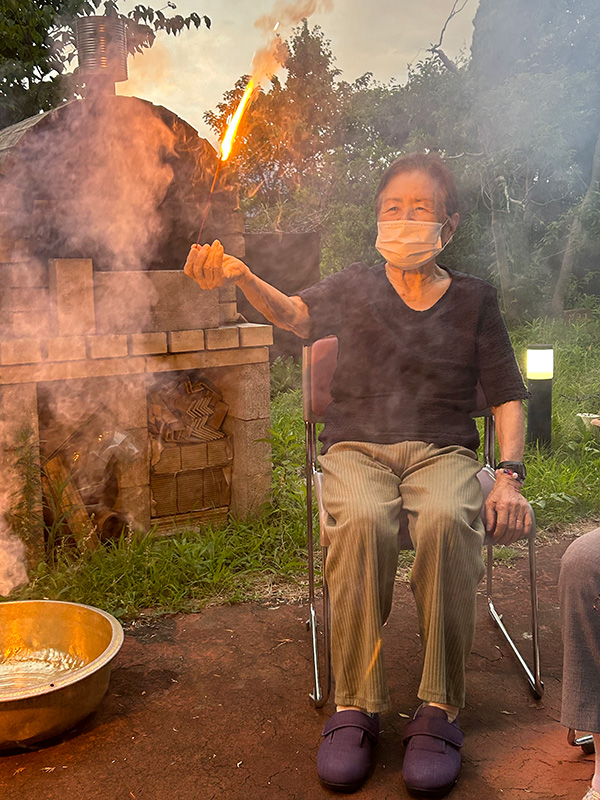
(189, 73)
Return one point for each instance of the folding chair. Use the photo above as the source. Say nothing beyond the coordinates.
(318, 365)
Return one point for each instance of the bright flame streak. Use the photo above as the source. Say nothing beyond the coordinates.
(235, 121)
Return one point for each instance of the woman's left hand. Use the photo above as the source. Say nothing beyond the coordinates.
(507, 512)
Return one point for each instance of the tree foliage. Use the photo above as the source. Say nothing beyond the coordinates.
(37, 48)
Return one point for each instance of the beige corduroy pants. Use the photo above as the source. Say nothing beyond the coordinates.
(367, 489)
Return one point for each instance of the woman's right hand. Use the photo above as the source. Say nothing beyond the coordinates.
(210, 267)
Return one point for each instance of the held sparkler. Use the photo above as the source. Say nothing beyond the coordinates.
(226, 146)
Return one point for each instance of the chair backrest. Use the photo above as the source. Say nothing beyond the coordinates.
(319, 361)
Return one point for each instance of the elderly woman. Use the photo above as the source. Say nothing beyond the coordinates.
(414, 340)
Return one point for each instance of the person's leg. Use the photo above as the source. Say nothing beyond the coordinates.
(579, 590)
(363, 504)
(361, 496)
(442, 498)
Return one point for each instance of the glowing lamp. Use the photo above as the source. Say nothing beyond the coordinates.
(540, 371)
(540, 362)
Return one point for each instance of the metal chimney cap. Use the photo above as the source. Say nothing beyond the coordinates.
(102, 47)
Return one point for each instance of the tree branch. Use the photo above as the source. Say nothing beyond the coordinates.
(436, 49)
(448, 63)
(452, 14)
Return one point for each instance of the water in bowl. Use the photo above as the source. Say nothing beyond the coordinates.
(27, 669)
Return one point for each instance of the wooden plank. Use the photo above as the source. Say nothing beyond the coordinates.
(60, 484)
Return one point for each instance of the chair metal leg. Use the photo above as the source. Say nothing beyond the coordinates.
(318, 696)
(586, 742)
(533, 675)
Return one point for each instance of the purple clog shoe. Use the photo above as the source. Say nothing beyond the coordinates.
(347, 751)
(432, 759)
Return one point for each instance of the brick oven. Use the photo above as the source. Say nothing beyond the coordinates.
(147, 395)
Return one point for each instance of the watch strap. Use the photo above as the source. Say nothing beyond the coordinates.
(514, 466)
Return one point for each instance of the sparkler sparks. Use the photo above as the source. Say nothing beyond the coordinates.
(235, 121)
(226, 145)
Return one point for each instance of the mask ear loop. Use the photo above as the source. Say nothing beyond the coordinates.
(451, 235)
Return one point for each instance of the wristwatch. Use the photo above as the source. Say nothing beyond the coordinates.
(517, 467)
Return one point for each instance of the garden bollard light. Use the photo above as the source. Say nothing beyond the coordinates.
(540, 371)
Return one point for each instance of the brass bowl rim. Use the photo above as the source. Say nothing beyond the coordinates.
(74, 675)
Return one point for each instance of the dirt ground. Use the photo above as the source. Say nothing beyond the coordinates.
(214, 706)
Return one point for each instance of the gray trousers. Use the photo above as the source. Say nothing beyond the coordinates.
(366, 489)
(579, 589)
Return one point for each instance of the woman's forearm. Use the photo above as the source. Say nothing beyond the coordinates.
(510, 430)
(289, 313)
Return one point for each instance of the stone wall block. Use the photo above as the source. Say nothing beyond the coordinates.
(30, 298)
(221, 338)
(186, 341)
(31, 324)
(246, 389)
(249, 496)
(71, 370)
(145, 344)
(108, 346)
(66, 348)
(233, 223)
(26, 273)
(6, 303)
(28, 372)
(227, 293)
(252, 454)
(204, 359)
(154, 300)
(72, 296)
(255, 335)
(228, 313)
(18, 412)
(13, 250)
(20, 351)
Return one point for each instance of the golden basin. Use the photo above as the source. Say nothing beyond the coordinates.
(55, 662)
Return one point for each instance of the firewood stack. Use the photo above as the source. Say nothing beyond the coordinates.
(186, 412)
(191, 456)
(79, 479)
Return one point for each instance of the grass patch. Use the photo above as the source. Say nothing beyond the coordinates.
(168, 574)
(563, 484)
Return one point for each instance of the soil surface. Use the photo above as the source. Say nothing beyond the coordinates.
(214, 706)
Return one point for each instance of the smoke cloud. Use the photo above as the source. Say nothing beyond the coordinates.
(106, 171)
(269, 58)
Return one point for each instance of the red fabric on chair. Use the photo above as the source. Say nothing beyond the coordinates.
(320, 371)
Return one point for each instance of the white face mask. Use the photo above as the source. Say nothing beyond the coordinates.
(408, 244)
